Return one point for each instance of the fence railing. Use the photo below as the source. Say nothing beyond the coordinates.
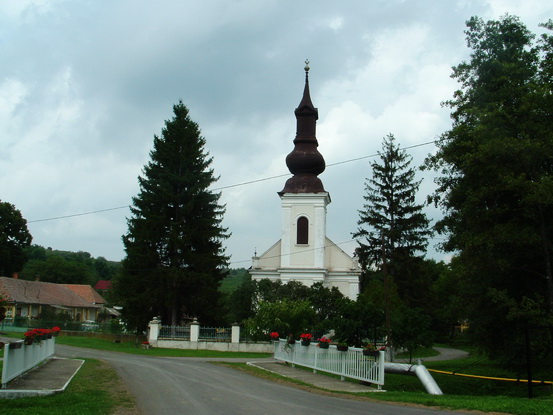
(202, 338)
(20, 357)
(215, 334)
(193, 333)
(174, 332)
(349, 364)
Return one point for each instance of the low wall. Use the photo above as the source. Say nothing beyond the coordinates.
(215, 346)
(20, 357)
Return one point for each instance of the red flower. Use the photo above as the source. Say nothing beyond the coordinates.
(323, 340)
(306, 337)
(274, 335)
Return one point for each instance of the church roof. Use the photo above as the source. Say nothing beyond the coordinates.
(305, 162)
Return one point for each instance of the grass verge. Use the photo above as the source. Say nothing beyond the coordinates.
(95, 390)
(459, 393)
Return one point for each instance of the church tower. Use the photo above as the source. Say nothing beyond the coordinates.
(304, 198)
(304, 253)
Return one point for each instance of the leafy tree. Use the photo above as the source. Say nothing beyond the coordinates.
(411, 329)
(392, 226)
(239, 303)
(446, 306)
(175, 258)
(246, 302)
(14, 237)
(66, 267)
(284, 316)
(496, 178)
(3, 306)
(359, 322)
(58, 270)
(105, 270)
(326, 303)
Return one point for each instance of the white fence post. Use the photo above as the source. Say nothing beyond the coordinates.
(194, 331)
(153, 332)
(235, 335)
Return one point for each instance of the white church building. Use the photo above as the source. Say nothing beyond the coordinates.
(304, 253)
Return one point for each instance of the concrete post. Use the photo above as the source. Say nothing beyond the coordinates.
(153, 330)
(235, 335)
(194, 331)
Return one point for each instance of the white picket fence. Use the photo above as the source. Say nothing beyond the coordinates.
(20, 357)
(349, 364)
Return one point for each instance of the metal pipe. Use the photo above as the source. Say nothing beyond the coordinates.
(415, 370)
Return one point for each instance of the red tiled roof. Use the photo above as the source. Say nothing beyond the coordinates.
(86, 292)
(103, 285)
(37, 292)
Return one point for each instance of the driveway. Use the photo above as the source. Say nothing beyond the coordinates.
(194, 386)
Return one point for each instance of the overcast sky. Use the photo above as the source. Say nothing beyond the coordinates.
(85, 85)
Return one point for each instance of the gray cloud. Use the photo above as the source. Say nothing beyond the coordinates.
(85, 85)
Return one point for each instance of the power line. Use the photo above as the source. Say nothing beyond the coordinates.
(296, 253)
(79, 214)
(226, 187)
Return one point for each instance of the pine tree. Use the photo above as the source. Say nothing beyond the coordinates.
(174, 245)
(392, 226)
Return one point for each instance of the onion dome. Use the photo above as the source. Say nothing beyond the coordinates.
(305, 162)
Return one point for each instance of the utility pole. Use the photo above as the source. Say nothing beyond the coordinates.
(387, 299)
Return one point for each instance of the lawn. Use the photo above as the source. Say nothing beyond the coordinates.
(95, 390)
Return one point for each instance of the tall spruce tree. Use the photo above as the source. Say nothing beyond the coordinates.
(496, 182)
(392, 226)
(175, 256)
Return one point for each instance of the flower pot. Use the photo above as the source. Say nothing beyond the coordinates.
(323, 345)
(371, 353)
(305, 342)
(342, 348)
(291, 341)
(28, 341)
(16, 345)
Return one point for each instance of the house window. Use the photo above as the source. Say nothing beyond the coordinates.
(303, 231)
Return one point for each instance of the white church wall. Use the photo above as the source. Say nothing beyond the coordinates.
(270, 259)
(338, 260)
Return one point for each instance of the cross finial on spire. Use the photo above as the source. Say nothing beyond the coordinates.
(306, 66)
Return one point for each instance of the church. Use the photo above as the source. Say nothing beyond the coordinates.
(304, 253)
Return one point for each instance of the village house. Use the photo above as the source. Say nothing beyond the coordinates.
(30, 298)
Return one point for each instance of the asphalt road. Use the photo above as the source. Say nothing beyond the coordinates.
(194, 386)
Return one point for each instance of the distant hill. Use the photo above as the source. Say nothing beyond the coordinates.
(65, 267)
(233, 280)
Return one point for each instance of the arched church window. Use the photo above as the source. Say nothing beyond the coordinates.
(303, 231)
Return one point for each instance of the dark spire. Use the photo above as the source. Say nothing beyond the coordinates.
(305, 162)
